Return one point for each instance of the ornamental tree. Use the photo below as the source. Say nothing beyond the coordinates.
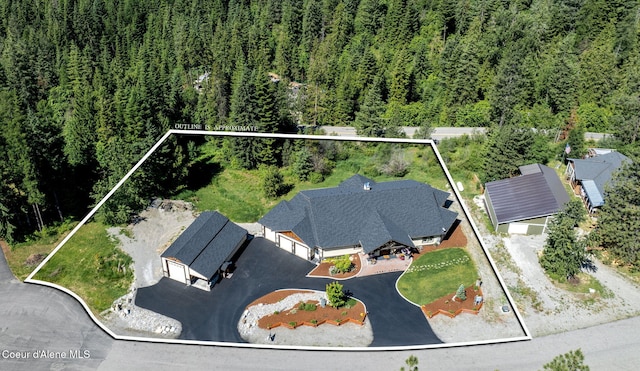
(461, 293)
(335, 294)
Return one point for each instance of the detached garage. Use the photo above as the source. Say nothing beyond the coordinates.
(524, 204)
(202, 252)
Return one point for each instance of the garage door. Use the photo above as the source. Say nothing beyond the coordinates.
(301, 251)
(286, 244)
(518, 228)
(176, 271)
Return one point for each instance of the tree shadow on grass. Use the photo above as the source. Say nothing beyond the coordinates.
(201, 174)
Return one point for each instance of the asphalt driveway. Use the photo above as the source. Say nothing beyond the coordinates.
(263, 268)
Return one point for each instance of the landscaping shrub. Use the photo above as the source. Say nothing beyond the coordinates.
(343, 264)
(350, 303)
(309, 307)
(335, 294)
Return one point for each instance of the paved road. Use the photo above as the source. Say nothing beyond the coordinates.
(214, 316)
(438, 133)
(39, 318)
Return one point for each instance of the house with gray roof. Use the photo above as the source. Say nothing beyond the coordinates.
(524, 204)
(589, 176)
(199, 255)
(359, 215)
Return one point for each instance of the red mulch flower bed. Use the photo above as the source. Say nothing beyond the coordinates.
(299, 317)
(322, 270)
(446, 305)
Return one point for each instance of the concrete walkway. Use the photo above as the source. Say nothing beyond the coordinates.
(382, 266)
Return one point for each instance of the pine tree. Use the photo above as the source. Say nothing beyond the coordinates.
(564, 253)
(576, 141)
(273, 183)
(461, 293)
(369, 121)
(335, 294)
(619, 218)
(598, 75)
(505, 150)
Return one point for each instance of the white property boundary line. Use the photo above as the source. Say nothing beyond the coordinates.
(30, 278)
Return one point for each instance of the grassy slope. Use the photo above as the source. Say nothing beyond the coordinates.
(238, 193)
(436, 274)
(88, 265)
(41, 243)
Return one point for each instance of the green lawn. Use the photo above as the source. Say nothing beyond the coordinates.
(436, 274)
(91, 265)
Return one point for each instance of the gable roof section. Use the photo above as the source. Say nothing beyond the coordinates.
(206, 243)
(598, 169)
(218, 250)
(535, 194)
(349, 215)
(378, 230)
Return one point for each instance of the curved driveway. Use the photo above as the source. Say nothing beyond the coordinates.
(263, 268)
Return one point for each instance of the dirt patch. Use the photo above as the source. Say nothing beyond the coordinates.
(322, 270)
(34, 259)
(449, 306)
(314, 315)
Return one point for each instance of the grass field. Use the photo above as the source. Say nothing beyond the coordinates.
(235, 193)
(238, 193)
(24, 257)
(436, 274)
(91, 265)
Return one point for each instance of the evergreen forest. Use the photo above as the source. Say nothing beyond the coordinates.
(88, 86)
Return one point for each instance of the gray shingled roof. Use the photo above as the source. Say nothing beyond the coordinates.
(532, 195)
(349, 215)
(206, 243)
(599, 169)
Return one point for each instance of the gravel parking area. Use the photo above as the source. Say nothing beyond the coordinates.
(546, 308)
(145, 240)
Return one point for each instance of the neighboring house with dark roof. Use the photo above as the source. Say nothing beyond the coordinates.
(198, 255)
(359, 215)
(590, 175)
(524, 204)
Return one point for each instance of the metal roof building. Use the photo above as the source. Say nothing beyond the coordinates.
(524, 203)
(590, 175)
(359, 215)
(200, 251)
